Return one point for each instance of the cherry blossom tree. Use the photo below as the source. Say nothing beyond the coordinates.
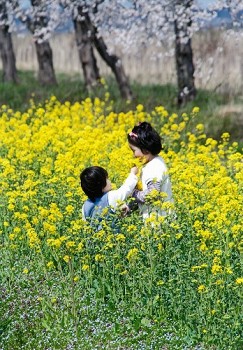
(40, 20)
(173, 22)
(154, 22)
(183, 52)
(43, 17)
(6, 45)
(83, 33)
(100, 24)
(88, 38)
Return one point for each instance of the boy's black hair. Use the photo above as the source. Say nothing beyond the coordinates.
(146, 138)
(92, 181)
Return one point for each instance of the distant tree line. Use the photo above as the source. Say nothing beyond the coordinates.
(160, 20)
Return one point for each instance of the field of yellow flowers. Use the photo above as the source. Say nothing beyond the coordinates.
(171, 283)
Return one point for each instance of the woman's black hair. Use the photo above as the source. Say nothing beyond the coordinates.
(93, 181)
(146, 138)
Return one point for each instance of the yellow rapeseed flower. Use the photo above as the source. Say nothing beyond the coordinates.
(67, 258)
(201, 288)
(239, 280)
(99, 257)
(132, 254)
(139, 107)
(85, 267)
(196, 110)
(50, 264)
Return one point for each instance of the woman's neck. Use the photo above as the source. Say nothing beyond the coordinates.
(150, 157)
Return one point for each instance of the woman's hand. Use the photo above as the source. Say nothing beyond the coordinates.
(134, 170)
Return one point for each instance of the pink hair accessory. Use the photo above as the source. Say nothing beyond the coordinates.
(132, 134)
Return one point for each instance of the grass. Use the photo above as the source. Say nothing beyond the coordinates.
(36, 314)
(72, 89)
(18, 96)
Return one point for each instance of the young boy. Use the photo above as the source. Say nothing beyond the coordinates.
(97, 186)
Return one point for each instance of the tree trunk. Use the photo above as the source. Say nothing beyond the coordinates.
(46, 74)
(113, 62)
(86, 52)
(90, 37)
(6, 49)
(116, 66)
(184, 55)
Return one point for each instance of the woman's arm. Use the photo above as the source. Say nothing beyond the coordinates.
(140, 195)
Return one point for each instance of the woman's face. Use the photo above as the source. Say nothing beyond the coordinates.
(145, 157)
(136, 151)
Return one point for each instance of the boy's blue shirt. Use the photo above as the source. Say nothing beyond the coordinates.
(93, 212)
(92, 209)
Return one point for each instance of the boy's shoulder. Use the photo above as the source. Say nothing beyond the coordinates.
(89, 205)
